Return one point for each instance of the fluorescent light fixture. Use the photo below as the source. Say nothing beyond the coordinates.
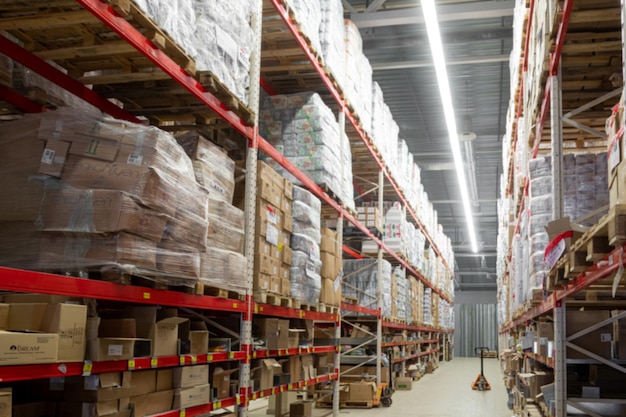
(436, 48)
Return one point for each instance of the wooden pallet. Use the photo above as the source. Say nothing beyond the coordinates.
(328, 309)
(309, 307)
(266, 297)
(187, 286)
(349, 300)
(348, 404)
(592, 246)
(202, 288)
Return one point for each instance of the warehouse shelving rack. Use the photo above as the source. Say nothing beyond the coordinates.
(552, 102)
(29, 281)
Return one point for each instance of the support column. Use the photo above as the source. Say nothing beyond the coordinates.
(379, 288)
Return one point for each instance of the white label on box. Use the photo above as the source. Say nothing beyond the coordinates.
(310, 269)
(135, 159)
(271, 216)
(47, 157)
(606, 337)
(271, 235)
(543, 341)
(614, 155)
(116, 350)
(555, 254)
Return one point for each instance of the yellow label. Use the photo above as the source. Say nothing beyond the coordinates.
(235, 305)
(290, 387)
(87, 368)
(131, 364)
(256, 308)
(254, 396)
(182, 413)
(147, 295)
(249, 358)
(237, 400)
(217, 405)
(181, 360)
(261, 394)
(209, 358)
(231, 355)
(194, 359)
(154, 363)
(280, 247)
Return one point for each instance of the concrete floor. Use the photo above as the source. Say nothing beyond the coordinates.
(445, 393)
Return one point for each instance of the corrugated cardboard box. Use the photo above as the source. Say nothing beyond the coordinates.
(362, 391)
(143, 382)
(53, 157)
(159, 402)
(6, 402)
(275, 332)
(221, 382)
(269, 367)
(598, 341)
(114, 339)
(301, 409)
(97, 388)
(189, 376)
(404, 383)
(27, 348)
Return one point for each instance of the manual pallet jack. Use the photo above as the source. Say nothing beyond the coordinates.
(481, 383)
(385, 390)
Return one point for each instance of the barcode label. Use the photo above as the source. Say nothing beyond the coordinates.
(47, 157)
(135, 159)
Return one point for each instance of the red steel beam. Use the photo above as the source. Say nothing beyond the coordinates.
(41, 67)
(131, 35)
(19, 101)
(349, 251)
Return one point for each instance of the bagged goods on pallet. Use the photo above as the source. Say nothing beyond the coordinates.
(428, 306)
(306, 264)
(360, 281)
(358, 80)
(309, 18)
(217, 35)
(304, 129)
(331, 38)
(401, 294)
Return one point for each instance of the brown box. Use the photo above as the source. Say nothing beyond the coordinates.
(189, 376)
(114, 340)
(269, 222)
(191, 397)
(165, 379)
(294, 368)
(285, 287)
(268, 368)
(619, 336)
(301, 409)
(143, 382)
(261, 281)
(362, 391)
(53, 157)
(269, 191)
(404, 383)
(267, 265)
(146, 184)
(598, 341)
(276, 284)
(287, 220)
(6, 402)
(287, 255)
(159, 402)
(221, 382)
(275, 332)
(329, 265)
(97, 388)
(545, 334)
(288, 189)
(163, 333)
(329, 241)
(109, 211)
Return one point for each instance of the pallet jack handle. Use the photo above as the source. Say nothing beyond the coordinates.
(481, 383)
(481, 351)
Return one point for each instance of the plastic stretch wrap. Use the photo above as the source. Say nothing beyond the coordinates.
(307, 230)
(303, 261)
(224, 269)
(305, 244)
(216, 35)
(427, 306)
(309, 16)
(358, 80)
(212, 167)
(308, 198)
(331, 38)
(538, 223)
(541, 186)
(536, 262)
(305, 285)
(402, 293)
(98, 194)
(303, 213)
(541, 205)
(360, 281)
(540, 167)
(539, 242)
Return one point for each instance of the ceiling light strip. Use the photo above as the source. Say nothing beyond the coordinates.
(436, 48)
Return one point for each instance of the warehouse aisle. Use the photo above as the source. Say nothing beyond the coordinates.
(445, 393)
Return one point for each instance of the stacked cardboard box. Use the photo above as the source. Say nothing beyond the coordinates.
(616, 151)
(273, 256)
(214, 170)
(42, 333)
(306, 267)
(306, 131)
(108, 195)
(217, 36)
(400, 293)
(427, 305)
(331, 268)
(370, 217)
(384, 129)
(417, 299)
(360, 280)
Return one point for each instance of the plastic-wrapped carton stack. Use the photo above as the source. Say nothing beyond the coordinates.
(309, 17)
(6, 71)
(384, 129)
(304, 129)
(428, 306)
(401, 281)
(274, 224)
(400, 168)
(331, 38)
(215, 172)
(217, 35)
(98, 195)
(360, 281)
(358, 80)
(306, 266)
(395, 234)
(540, 214)
(416, 243)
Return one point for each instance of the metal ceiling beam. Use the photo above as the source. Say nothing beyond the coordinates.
(387, 66)
(376, 4)
(438, 166)
(475, 255)
(481, 200)
(446, 13)
(349, 7)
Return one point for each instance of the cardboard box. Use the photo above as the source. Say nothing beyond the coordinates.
(329, 266)
(96, 388)
(189, 376)
(619, 335)
(308, 367)
(269, 367)
(275, 332)
(556, 227)
(301, 409)
(143, 382)
(27, 348)
(294, 368)
(285, 286)
(276, 284)
(294, 338)
(362, 391)
(109, 211)
(199, 338)
(269, 222)
(117, 341)
(545, 334)
(159, 402)
(267, 265)
(163, 333)
(268, 191)
(6, 402)
(598, 341)
(165, 379)
(53, 157)
(329, 241)
(404, 383)
(101, 409)
(144, 183)
(27, 317)
(221, 382)
(69, 321)
(261, 281)
(288, 189)
(287, 255)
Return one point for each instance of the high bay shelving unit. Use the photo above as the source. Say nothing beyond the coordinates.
(573, 98)
(173, 69)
